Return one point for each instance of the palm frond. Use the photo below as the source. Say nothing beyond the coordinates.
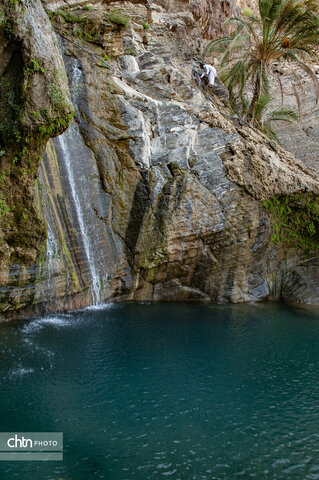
(284, 115)
(236, 21)
(261, 104)
(236, 45)
(268, 130)
(217, 45)
(236, 77)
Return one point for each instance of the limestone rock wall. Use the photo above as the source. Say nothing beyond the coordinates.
(174, 184)
(34, 106)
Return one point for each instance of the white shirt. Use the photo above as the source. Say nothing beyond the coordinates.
(211, 73)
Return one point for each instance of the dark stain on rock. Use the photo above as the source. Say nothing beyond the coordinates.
(141, 204)
(229, 283)
(162, 209)
(179, 192)
(201, 272)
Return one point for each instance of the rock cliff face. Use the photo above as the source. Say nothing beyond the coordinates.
(34, 105)
(155, 191)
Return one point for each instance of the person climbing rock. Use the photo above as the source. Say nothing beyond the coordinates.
(209, 72)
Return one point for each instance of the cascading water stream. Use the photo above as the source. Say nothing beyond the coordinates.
(63, 140)
(67, 142)
(81, 247)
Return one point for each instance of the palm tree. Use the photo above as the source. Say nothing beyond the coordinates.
(264, 122)
(284, 30)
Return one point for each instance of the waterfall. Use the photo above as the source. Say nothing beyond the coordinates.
(81, 201)
(81, 247)
(75, 84)
(72, 148)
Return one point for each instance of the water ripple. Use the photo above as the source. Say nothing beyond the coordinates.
(179, 391)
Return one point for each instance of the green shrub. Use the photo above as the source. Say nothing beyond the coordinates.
(68, 17)
(130, 52)
(71, 18)
(84, 27)
(146, 26)
(32, 68)
(119, 19)
(4, 208)
(57, 98)
(35, 115)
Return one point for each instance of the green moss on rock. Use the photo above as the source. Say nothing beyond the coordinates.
(34, 106)
(295, 220)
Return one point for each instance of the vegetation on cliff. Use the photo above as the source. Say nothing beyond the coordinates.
(34, 106)
(295, 220)
(284, 31)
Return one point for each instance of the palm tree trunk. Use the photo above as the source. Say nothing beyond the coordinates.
(254, 100)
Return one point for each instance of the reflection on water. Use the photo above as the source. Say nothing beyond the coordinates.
(149, 391)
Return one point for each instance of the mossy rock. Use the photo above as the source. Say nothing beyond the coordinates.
(295, 220)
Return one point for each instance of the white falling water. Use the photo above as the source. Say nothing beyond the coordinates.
(70, 143)
(76, 85)
(76, 73)
(70, 136)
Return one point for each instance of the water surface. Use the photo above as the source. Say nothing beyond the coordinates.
(177, 391)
